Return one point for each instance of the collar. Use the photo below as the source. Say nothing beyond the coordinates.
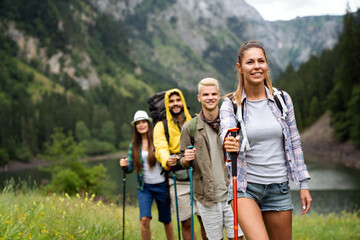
(267, 91)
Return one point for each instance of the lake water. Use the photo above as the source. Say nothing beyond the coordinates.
(333, 188)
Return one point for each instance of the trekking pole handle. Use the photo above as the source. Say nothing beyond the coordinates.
(124, 168)
(172, 155)
(191, 163)
(233, 155)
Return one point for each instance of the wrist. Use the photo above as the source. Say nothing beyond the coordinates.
(184, 163)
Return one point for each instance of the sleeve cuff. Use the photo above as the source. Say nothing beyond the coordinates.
(304, 184)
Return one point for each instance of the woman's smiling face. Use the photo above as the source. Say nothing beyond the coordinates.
(253, 66)
(142, 126)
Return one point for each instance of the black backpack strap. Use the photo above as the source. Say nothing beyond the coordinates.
(280, 102)
(245, 146)
(166, 129)
(235, 110)
(277, 101)
(192, 130)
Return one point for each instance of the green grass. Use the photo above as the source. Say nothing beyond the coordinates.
(31, 215)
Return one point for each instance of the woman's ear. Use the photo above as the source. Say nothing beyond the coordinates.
(239, 68)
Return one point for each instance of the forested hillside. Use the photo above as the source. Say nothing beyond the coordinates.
(34, 99)
(86, 66)
(331, 82)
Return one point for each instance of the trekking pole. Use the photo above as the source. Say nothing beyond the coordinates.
(191, 195)
(233, 156)
(124, 185)
(176, 202)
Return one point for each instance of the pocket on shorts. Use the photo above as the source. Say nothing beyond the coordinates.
(285, 187)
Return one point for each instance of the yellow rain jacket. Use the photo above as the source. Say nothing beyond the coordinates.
(163, 148)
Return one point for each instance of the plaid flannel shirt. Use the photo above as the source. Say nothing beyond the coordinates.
(292, 146)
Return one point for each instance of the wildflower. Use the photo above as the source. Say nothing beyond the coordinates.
(61, 199)
(42, 214)
(34, 203)
(29, 236)
(19, 234)
(99, 203)
(7, 221)
(67, 196)
(92, 197)
(78, 196)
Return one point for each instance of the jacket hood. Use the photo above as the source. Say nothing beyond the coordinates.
(169, 116)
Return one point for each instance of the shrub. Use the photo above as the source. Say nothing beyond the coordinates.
(4, 156)
(68, 173)
(65, 181)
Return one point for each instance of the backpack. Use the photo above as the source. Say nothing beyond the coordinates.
(158, 111)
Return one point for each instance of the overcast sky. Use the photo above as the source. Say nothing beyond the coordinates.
(272, 10)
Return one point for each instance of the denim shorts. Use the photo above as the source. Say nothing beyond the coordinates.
(272, 197)
(146, 197)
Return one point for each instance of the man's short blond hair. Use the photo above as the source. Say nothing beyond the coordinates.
(208, 82)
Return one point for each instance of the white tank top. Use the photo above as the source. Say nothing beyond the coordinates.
(153, 175)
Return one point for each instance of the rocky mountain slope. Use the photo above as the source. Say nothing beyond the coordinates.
(318, 142)
(182, 41)
(195, 38)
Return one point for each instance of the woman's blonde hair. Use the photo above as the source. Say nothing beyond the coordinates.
(246, 46)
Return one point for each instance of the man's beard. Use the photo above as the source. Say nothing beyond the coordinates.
(177, 114)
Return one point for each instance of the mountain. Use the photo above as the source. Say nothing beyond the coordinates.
(87, 65)
(183, 41)
(300, 38)
(207, 34)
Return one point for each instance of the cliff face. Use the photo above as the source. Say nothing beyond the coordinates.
(196, 38)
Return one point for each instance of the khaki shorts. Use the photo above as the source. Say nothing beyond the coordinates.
(216, 218)
(183, 198)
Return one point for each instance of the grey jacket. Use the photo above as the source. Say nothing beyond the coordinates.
(203, 185)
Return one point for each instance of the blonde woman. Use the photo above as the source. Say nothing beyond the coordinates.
(269, 149)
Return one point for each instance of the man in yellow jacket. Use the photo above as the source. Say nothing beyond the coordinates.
(176, 115)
